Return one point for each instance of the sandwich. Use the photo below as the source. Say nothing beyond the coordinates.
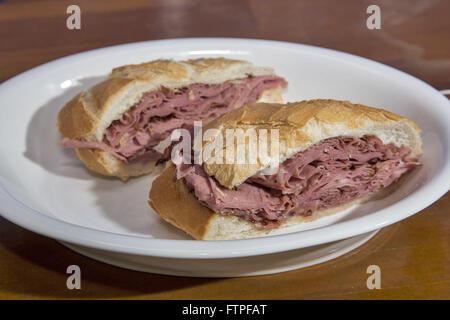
(331, 155)
(121, 126)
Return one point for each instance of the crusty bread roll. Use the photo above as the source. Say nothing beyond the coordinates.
(301, 125)
(90, 113)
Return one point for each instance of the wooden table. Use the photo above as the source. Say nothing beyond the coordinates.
(414, 37)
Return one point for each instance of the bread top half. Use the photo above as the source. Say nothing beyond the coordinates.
(89, 113)
(301, 125)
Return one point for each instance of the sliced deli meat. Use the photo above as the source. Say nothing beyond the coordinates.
(330, 173)
(133, 137)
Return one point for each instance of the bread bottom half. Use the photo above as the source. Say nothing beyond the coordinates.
(106, 164)
(173, 202)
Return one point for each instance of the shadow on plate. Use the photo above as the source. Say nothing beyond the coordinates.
(42, 148)
(42, 135)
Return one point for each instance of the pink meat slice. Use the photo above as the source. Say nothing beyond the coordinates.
(159, 112)
(328, 174)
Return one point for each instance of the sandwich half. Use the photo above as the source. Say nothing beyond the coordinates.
(119, 126)
(332, 154)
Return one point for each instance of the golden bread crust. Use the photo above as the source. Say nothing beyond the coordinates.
(94, 160)
(106, 164)
(177, 205)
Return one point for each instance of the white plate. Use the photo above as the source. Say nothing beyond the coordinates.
(47, 190)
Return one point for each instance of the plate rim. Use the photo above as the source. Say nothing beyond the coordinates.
(19, 213)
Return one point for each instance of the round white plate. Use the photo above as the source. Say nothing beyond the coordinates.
(47, 190)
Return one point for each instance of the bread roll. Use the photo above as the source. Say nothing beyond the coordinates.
(301, 125)
(90, 113)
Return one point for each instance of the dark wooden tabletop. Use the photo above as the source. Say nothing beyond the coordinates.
(413, 254)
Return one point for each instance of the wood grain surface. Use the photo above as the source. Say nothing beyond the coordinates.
(414, 37)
